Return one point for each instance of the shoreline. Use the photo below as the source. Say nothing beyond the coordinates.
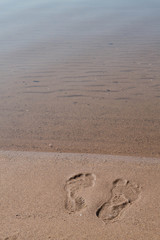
(96, 156)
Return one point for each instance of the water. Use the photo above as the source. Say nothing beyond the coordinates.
(83, 75)
(73, 24)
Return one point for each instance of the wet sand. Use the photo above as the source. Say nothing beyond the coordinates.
(107, 104)
(88, 83)
(78, 196)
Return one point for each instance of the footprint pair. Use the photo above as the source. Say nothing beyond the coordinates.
(122, 195)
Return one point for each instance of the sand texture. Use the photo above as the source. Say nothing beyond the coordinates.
(66, 196)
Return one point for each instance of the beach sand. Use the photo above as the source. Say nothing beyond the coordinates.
(104, 109)
(80, 120)
(62, 196)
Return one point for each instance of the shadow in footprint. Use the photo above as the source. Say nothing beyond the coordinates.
(123, 194)
(14, 237)
(74, 202)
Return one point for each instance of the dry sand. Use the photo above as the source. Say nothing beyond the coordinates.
(61, 196)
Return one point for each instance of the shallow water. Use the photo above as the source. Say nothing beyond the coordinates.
(80, 76)
(51, 31)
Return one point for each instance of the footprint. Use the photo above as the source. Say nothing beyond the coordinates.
(14, 237)
(74, 185)
(123, 194)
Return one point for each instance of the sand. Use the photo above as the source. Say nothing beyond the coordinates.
(88, 84)
(62, 196)
(106, 111)
(81, 81)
